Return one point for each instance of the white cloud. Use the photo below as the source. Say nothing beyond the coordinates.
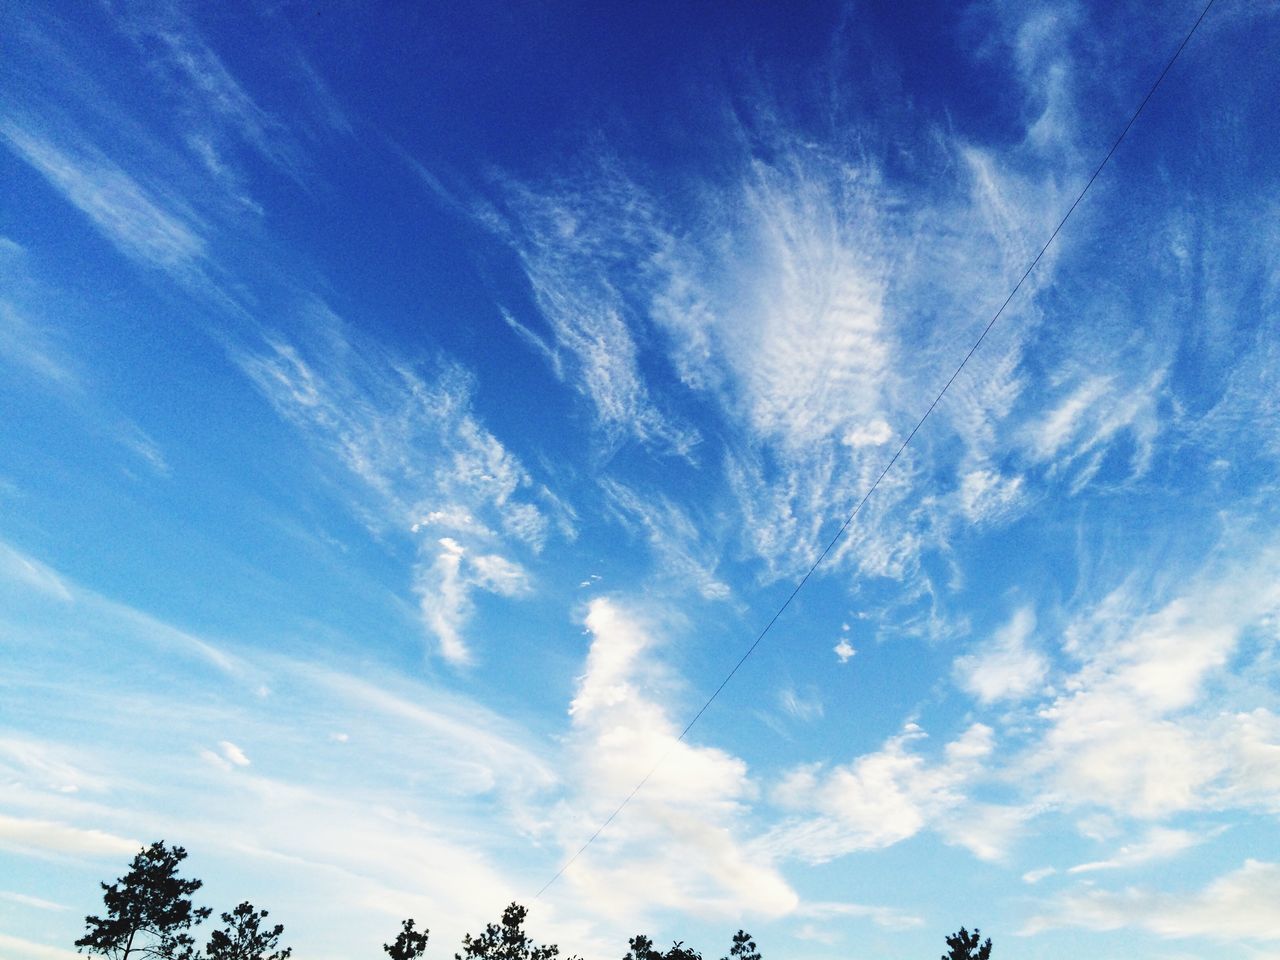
(844, 650)
(216, 760)
(445, 588)
(567, 244)
(216, 103)
(28, 901)
(49, 836)
(19, 567)
(989, 831)
(36, 341)
(233, 753)
(871, 434)
(1160, 843)
(1006, 667)
(422, 461)
(887, 917)
(1238, 905)
(1132, 730)
(803, 335)
(409, 437)
(141, 225)
(75, 601)
(679, 544)
(1101, 408)
(1250, 743)
(986, 495)
(678, 842)
(426, 777)
(878, 799)
(1066, 420)
(443, 597)
(799, 707)
(24, 344)
(18, 948)
(474, 750)
(802, 296)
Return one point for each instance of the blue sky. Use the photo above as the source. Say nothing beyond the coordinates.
(411, 415)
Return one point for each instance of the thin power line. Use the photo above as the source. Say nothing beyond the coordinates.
(894, 459)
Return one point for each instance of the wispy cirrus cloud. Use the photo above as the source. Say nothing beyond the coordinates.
(422, 463)
(41, 353)
(1160, 843)
(886, 917)
(298, 809)
(26, 345)
(351, 822)
(802, 297)
(27, 901)
(220, 113)
(23, 949)
(1236, 906)
(31, 587)
(146, 226)
(53, 837)
(679, 544)
(568, 252)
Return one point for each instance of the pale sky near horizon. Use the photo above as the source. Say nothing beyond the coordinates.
(411, 413)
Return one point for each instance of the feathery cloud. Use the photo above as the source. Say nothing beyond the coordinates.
(424, 464)
(1237, 905)
(143, 226)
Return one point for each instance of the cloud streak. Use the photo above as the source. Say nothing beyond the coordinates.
(144, 227)
(1237, 905)
(423, 465)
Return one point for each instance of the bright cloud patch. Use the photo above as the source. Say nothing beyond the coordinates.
(694, 800)
(878, 799)
(1131, 730)
(1006, 667)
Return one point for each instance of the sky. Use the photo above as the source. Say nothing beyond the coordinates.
(410, 413)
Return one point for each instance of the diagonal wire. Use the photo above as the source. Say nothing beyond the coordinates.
(894, 459)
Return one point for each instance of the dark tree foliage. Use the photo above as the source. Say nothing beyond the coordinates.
(967, 946)
(744, 948)
(243, 937)
(506, 941)
(149, 910)
(642, 949)
(410, 943)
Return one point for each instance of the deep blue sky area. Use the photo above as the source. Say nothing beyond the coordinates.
(411, 413)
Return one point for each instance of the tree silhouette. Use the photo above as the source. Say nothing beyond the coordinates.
(242, 937)
(410, 943)
(149, 910)
(506, 941)
(744, 948)
(642, 949)
(966, 946)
